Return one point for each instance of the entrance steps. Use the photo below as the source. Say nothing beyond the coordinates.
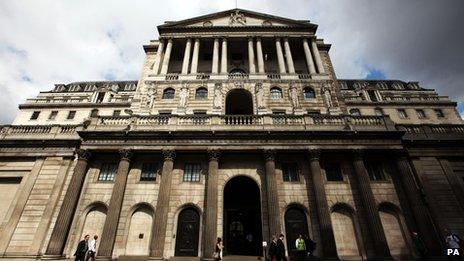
(242, 258)
(184, 258)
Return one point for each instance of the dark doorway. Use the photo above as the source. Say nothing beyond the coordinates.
(242, 217)
(188, 225)
(239, 102)
(295, 224)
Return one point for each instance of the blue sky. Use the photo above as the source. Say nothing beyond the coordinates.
(47, 42)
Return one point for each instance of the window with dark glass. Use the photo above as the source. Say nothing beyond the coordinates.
(192, 172)
(309, 93)
(376, 171)
(333, 172)
(107, 172)
(149, 170)
(201, 94)
(35, 115)
(355, 112)
(421, 114)
(439, 113)
(116, 112)
(402, 113)
(378, 111)
(168, 93)
(276, 93)
(290, 171)
(208, 56)
(100, 97)
(52, 115)
(372, 95)
(71, 115)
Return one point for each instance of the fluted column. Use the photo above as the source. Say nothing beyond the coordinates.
(196, 50)
(166, 58)
(272, 196)
(224, 56)
(186, 61)
(288, 55)
(368, 201)
(251, 56)
(309, 59)
(419, 209)
(68, 209)
(329, 249)
(259, 55)
(162, 206)
(158, 57)
(108, 236)
(214, 68)
(211, 203)
(317, 56)
(280, 56)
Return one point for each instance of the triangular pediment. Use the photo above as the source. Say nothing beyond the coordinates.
(237, 18)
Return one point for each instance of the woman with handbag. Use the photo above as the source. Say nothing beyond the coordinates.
(218, 249)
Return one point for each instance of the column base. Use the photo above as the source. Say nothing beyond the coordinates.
(53, 257)
(103, 258)
(157, 258)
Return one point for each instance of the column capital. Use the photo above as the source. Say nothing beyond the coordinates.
(214, 154)
(83, 154)
(269, 154)
(126, 154)
(314, 154)
(224, 38)
(358, 154)
(169, 154)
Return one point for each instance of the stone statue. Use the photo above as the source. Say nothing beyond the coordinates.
(183, 96)
(217, 102)
(151, 96)
(237, 18)
(259, 91)
(293, 93)
(327, 96)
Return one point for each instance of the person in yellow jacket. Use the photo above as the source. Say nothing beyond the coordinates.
(300, 245)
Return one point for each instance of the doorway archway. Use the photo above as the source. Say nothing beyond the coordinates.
(239, 102)
(188, 228)
(295, 225)
(242, 217)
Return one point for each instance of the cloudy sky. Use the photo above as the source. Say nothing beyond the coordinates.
(48, 41)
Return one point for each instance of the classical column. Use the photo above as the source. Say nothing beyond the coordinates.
(68, 209)
(108, 236)
(317, 56)
(158, 57)
(309, 59)
(224, 56)
(215, 65)
(419, 209)
(185, 63)
(272, 196)
(251, 56)
(329, 249)
(196, 50)
(211, 203)
(280, 56)
(368, 201)
(288, 55)
(259, 55)
(162, 206)
(167, 56)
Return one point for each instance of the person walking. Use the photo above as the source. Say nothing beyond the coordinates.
(92, 249)
(82, 248)
(310, 247)
(453, 241)
(281, 249)
(218, 249)
(300, 245)
(419, 245)
(273, 249)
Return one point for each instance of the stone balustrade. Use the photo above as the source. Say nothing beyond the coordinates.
(39, 132)
(432, 132)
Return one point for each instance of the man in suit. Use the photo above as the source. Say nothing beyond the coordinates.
(281, 249)
(82, 248)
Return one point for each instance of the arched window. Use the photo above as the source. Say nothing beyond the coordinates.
(355, 112)
(237, 71)
(276, 93)
(309, 93)
(168, 93)
(201, 94)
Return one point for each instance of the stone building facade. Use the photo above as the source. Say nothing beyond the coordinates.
(237, 128)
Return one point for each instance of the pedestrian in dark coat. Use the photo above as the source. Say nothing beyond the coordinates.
(82, 249)
(281, 249)
(273, 249)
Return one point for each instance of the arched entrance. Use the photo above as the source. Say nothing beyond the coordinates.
(295, 224)
(242, 217)
(188, 227)
(239, 102)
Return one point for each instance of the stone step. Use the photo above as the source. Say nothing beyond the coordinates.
(184, 258)
(132, 258)
(242, 258)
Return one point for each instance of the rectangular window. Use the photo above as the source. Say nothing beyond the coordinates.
(333, 172)
(35, 115)
(290, 171)
(52, 115)
(149, 171)
(372, 95)
(192, 172)
(439, 113)
(116, 112)
(421, 114)
(71, 115)
(376, 171)
(402, 114)
(107, 172)
(100, 97)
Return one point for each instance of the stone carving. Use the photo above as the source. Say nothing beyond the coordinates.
(259, 91)
(83, 154)
(183, 95)
(217, 102)
(237, 18)
(327, 95)
(151, 95)
(214, 154)
(126, 154)
(269, 154)
(293, 93)
(169, 154)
